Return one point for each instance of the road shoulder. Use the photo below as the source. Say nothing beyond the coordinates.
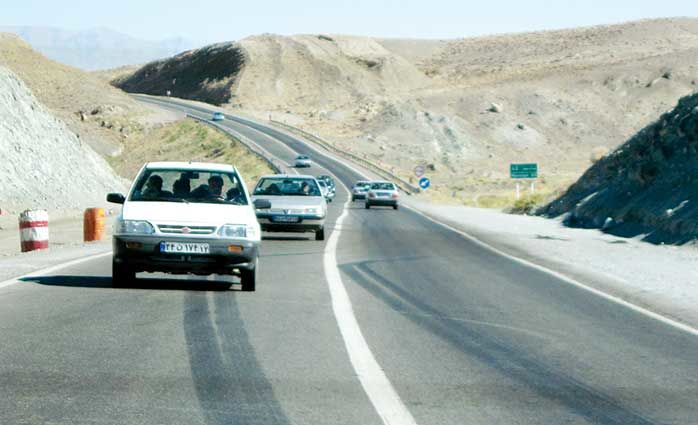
(658, 278)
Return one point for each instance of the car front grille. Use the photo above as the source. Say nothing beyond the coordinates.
(186, 230)
(280, 211)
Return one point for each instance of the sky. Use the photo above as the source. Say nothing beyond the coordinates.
(223, 20)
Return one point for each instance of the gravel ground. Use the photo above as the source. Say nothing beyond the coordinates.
(661, 278)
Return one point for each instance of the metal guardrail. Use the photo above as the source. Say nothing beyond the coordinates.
(402, 183)
(253, 147)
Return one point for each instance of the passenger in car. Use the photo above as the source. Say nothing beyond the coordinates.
(181, 188)
(153, 188)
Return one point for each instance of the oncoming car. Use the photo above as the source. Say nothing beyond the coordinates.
(297, 204)
(217, 116)
(303, 161)
(382, 194)
(183, 218)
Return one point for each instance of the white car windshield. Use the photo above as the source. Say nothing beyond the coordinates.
(287, 186)
(174, 185)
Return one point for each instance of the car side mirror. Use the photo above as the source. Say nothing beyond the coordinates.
(261, 204)
(116, 198)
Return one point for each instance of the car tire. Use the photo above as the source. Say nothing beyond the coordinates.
(122, 275)
(395, 206)
(248, 278)
(368, 206)
(320, 234)
(353, 199)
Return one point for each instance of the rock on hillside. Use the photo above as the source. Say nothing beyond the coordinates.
(44, 165)
(648, 186)
(206, 74)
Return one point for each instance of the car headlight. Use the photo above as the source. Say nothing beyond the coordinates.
(134, 227)
(234, 231)
(312, 210)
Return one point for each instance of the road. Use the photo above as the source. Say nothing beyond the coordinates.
(463, 335)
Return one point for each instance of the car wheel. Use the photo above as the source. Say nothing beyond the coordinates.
(248, 278)
(353, 199)
(320, 234)
(121, 275)
(368, 206)
(395, 206)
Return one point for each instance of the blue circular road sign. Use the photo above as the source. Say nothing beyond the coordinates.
(424, 183)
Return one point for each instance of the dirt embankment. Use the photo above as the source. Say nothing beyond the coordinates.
(44, 164)
(648, 186)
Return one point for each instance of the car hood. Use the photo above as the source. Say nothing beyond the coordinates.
(191, 213)
(292, 202)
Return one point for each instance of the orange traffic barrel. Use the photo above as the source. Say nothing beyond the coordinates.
(93, 225)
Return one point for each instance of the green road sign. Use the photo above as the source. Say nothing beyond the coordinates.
(523, 171)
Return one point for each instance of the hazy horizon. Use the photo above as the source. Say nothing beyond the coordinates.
(439, 19)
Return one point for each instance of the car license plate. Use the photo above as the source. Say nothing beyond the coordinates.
(184, 248)
(285, 219)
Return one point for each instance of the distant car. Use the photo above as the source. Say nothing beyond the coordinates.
(217, 116)
(382, 194)
(329, 180)
(297, 204)
(359, 190)
(303, 161)
(165, 226)
(327, 192)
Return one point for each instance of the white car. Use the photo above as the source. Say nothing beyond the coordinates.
(183, 217)
(217, 116)
(297, 204)
(303, 161)
(382, 193)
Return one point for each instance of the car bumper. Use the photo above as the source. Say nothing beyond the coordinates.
(358, 195)
(143, 255)
(305, 224)
(383, 202)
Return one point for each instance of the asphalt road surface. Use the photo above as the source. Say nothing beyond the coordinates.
(462, 334)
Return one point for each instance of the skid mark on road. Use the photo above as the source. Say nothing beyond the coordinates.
(546, 381)
(229, 382)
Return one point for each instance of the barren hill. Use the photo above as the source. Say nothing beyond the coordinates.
(647, 186)
(85, 102)
(468, 106)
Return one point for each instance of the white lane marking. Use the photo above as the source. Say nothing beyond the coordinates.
(52, 269)
(666, 320)
(376, 384)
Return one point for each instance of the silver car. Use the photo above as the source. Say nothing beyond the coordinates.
(303, 161)
(381, 193)
(297, 204)
(359, 190)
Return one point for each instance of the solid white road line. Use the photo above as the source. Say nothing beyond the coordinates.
(52, 269)
(666, 320)
(378, 388)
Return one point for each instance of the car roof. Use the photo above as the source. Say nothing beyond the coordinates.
(381, 181)
(175, 165)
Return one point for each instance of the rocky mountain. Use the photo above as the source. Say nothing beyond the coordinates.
(44, 164)
(469, 107)
(96, 48)
(648, 186)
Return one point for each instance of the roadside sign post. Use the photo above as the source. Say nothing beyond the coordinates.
(424, 183)
(524, 171)
(419, 171)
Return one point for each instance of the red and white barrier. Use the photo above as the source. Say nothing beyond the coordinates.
(33, 230)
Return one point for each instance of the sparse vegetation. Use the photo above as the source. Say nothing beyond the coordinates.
(187, 140)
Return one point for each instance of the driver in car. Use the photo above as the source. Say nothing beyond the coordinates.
(214, 189)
